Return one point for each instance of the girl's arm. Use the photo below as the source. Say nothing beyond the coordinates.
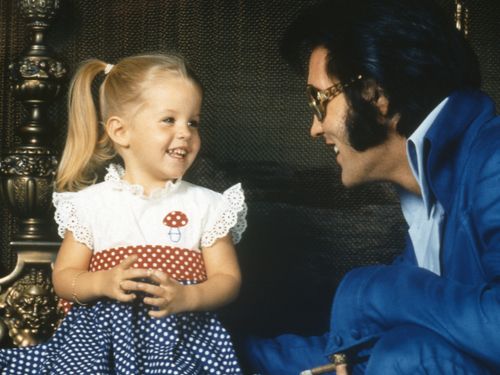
(221, 287)
(73, 282)
(223, 277)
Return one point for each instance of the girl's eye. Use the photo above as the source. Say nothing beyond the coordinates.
(193, 124)
(169, 120)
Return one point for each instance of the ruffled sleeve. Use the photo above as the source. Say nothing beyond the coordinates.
(229, 217)
(70, 216)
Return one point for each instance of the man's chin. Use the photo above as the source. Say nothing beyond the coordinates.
(349, 182)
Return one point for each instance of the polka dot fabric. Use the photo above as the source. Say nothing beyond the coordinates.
(118, 338)
(180, 264)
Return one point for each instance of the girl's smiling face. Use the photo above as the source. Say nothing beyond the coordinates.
(162, 135)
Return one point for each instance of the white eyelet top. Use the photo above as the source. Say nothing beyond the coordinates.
(114, 214)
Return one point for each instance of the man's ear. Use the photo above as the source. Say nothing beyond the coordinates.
(118, 131)
(373, 93)
(382, 104)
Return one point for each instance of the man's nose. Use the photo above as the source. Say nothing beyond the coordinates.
(316, 128)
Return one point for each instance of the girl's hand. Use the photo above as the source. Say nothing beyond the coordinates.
(118, 282)
(169, 296)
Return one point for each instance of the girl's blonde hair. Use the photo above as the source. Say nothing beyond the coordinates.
(88, 147)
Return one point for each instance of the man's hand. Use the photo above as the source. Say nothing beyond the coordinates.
(342, 370)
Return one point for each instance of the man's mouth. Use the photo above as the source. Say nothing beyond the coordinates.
(333, 146)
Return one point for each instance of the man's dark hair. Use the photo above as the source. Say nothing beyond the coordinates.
(408, 48)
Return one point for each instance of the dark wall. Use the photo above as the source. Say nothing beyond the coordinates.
(305, 230)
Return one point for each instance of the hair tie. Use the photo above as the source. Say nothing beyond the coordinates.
(108, 68)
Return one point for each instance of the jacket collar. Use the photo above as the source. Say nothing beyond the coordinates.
(450, 137)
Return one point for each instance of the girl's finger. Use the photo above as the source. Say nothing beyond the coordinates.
(136, 273)
(157, 313)
(151, 289)
(125, 297)
(134, 285)
(128, 261)
(159, 277)
(128, 285)
(155, 301)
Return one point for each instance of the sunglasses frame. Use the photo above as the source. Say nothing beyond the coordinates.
(318, 99)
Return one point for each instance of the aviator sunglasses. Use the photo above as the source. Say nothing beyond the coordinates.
(318, 99)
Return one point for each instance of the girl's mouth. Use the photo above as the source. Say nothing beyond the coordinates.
(177, 152)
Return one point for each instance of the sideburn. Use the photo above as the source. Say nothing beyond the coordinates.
(363, 123)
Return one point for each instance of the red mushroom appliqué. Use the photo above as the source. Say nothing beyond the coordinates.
(175, 220)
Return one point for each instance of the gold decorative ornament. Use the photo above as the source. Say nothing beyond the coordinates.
(462, 17)
(30, 312)
(28, 308)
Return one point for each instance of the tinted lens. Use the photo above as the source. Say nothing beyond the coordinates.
(312, 96)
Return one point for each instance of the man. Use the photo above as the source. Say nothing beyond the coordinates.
(395, 92)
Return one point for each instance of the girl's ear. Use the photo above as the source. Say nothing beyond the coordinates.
(118, 131)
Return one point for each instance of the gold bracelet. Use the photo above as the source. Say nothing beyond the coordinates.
(73, 289)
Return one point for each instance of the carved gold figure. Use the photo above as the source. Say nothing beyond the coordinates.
(31, 312)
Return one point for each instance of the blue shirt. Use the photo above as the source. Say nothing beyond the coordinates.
(424, 214)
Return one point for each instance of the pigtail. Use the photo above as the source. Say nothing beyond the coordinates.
(87, 144)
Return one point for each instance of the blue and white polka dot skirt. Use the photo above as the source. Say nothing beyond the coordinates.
(118, 338)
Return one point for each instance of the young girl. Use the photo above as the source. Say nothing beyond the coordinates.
(145, 254)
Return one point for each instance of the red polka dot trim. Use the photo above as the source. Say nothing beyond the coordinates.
(180, 264)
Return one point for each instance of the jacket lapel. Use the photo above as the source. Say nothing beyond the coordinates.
(449, 139)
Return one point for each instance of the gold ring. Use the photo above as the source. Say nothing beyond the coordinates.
(339, 359)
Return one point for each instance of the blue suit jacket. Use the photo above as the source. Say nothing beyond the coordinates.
(463, 304)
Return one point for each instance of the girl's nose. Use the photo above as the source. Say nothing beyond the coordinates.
(183, 131)
(316, 128)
